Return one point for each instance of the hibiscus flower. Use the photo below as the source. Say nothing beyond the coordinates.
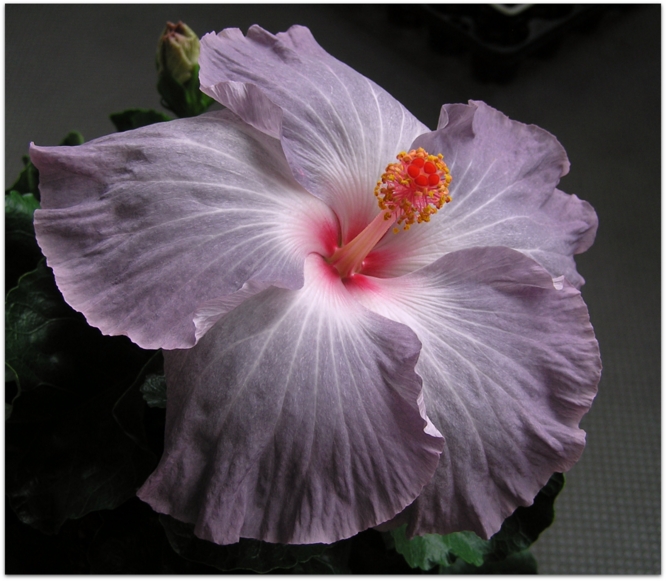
(363, 320)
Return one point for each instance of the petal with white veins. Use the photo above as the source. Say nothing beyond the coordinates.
(295, 419)
(142, 227)
(503, 194)
(509, 366)
(339, 130)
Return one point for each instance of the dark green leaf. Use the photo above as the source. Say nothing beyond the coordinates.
(423, 552)
(22, 252)
(47, 342)
(333, 561)
(153, 390)
(132, 542)
(72, 138)
(522, 563)
(28, 180)
(184, 99)
(518, 532)
(34, 313)
(28, 551)
(74, 439)
(75, 463)
(135, 118)
(129, 409)
(11, 389)
(247, 554)
(126, 540)
(10, 374)
(524, 526)
(369, 555)
(22, 205)
(467, 546)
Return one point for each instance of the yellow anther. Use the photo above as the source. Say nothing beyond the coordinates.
(415, 187)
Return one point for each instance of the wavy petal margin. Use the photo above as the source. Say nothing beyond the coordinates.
(144, 226)
(294, 420)
(339, 130)
(503, 193)
(509, 366)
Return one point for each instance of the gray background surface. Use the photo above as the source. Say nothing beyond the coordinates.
(68, 67)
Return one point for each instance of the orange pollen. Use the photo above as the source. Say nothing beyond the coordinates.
(414, 188)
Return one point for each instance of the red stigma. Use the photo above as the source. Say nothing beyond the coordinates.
(414, 187)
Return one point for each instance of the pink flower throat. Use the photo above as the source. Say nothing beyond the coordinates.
(410, 190)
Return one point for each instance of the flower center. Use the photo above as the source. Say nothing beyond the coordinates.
(414, 187)
(410, 190)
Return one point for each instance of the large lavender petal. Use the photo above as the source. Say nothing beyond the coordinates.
(295, 419)
(339, 130)
(142, 227)
(509, 366)
(503, 194)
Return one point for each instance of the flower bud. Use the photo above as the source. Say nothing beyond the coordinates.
(178, 71)
(177, 51)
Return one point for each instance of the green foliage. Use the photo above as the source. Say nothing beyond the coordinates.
(135, 118)
(74, 441)
(21, 207)
(524, 526)
(153, 390)
(47, 342)
(130, 541)
(247, 554)
(427, 551)
(184, 99)
(72, 138)
(522, 563)
(22, 252)
(333, 561)
(28, 180)
(468, 547)
(517, 534)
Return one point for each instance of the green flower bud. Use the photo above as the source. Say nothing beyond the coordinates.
(178, 71)
(177, 51)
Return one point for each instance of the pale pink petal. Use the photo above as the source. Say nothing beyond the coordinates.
(503, 194)
(509, 366)
(339, 130)
(142, 227)
(210, 312)
(295, 419)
